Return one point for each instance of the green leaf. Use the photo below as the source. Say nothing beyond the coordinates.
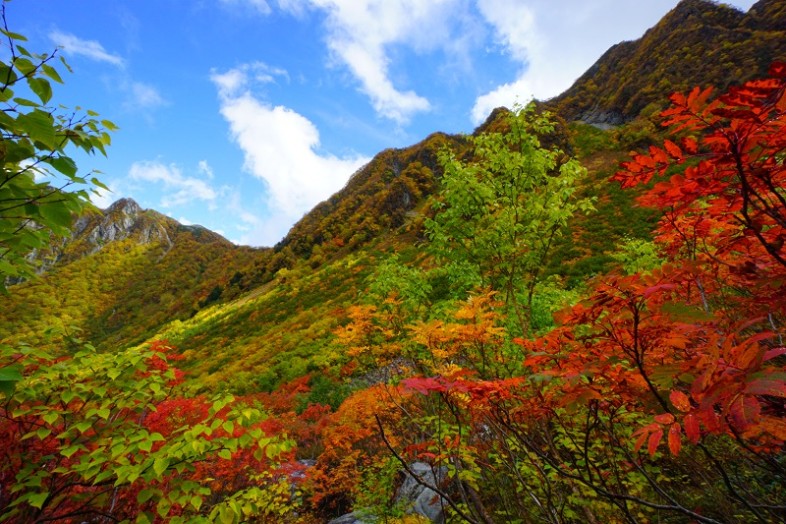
(56, 214)
(7, 75)
(64, 164)
(225, 454)
(37, 499)
(145, 495)
(51, 72)
(160, 465)
(163, 507)
(70, 450)
(25, 102)
(109, 125)
(41, 87)
(12, 373)
(13, 36)
(83, 426)
(6, 94)
(39, 126)
(226, 515)
(50, 417)
(24, 66)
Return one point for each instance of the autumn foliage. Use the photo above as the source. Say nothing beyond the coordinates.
(674, 373)
(658, 396)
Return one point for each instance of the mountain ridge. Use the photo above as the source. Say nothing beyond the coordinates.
(175, 270)
(699, 41)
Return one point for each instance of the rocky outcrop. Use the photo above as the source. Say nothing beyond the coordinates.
(419, 499)
(413, 496)
(121, 220)
(356, 517)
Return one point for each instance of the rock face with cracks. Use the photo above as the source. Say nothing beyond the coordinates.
(412, 495)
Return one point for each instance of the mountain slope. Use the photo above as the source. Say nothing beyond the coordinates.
(124, 272)
(128, 275)
(698, 42)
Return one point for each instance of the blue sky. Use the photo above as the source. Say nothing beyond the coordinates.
(241, 115)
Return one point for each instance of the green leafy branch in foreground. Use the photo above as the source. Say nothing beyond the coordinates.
(102, 435)
(40, 188)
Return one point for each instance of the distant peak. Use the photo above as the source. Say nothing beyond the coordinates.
(126, 205)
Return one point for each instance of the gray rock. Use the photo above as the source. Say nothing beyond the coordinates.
(356, 517)
(420, 499)
(412, 496)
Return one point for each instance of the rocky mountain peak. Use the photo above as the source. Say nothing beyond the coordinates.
(119, 221)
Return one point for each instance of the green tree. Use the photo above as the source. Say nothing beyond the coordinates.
(500, 213)
(40, 188)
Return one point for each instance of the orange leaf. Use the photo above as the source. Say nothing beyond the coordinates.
(675, 442)
(690, 145)
(680, 400)
(654, 440)
(673, 149)
(664, 418)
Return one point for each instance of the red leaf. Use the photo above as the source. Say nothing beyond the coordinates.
(673, 149)
(640, 441)
(675, 442)
(664, 418)
(692, 430)
(424, 385)
(744, 412)
(690, 145)
(653, 441)
(771, 354)
(778, 70)
(766, 386)
(680, 400)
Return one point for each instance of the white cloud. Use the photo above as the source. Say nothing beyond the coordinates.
(103, 198)
(260, 6)
(239, 78)
(181, 189)
(280, 147)
(360, 33)
(89, 48)
(205, 169)
(555, 42)
(143, 96)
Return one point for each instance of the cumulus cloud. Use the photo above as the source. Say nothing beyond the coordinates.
(554, 42)
(102, 198)
(280, 147)
(179, 188)
(240, 78)
(91, 49)
(360, 33)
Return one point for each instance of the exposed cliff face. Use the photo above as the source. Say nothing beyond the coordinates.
(123, 220)
(699, 42)
(119, 221)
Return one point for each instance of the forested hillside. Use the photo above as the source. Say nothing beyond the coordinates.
(697, 42)
(530, 323)
(122, 274)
